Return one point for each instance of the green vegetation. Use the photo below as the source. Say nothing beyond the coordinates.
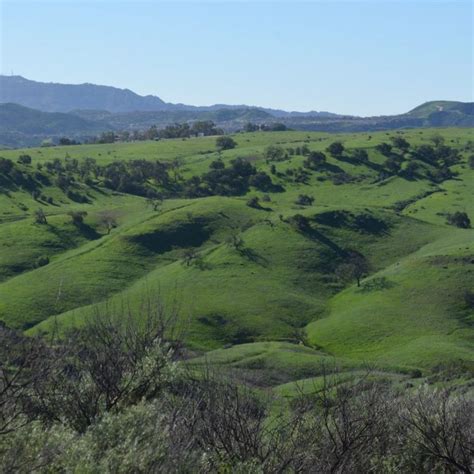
(356, 246)
(262, 302)
(116, 396)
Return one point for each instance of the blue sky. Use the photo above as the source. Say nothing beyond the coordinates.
(364, 58)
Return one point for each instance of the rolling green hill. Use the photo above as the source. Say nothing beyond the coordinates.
(273, 279)
(426, 109)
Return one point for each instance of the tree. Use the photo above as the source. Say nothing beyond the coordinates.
(175, 165)
(24, 159)
(274, 127)
(437, 139)
(217, 164)
(274, 153)
(65, 141)
(108, 219)
(107, 137)
(314, 160)
(355, 267)
(225, 143)
(384, 148)
(254, 202)
(335, 149)
(251, 127)
(361, 155)
(459, 219)
(189, 255)
(400, 143)
(426, 153)
(411, 169)
(5, 165)
(77, 217)
(40, 217)
(262, 181)
(470, 162)
(305, 200)
(393, 165)
(235, 241)
(300, 222)
(305, 151)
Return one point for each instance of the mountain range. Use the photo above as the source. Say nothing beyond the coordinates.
(55, 97)
(32, 111)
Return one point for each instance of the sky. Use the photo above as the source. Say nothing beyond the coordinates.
(363, 58)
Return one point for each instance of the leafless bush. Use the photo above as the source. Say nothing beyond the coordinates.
(110, 394)
(440, 426)
(117, 358)
(231, 423)
(21, 366)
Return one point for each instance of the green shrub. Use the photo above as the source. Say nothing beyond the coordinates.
(42, 261)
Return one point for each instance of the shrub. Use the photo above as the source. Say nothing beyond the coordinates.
(459, 219)
(217, 164)
(300, 222)
(400, 143)
(76, 197)
(261, 181)
(40, 217)
(314, 160)
(384, 148)
(225, 143)
(274, 153)
(77, 217)
(254, 202)
(361, 155)
(335, 149)
(355, 267)
(42, 261)
(5, 165)
(342, 178)
(305, 200)
(393, 165)
(24, 159)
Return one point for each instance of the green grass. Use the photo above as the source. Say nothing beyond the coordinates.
(416, 317)
(409, 314)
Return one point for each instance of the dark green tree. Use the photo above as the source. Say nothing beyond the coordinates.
(225, 143)
(335, 149)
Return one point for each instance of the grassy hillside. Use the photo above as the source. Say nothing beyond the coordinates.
(272, 278)
(426, 109)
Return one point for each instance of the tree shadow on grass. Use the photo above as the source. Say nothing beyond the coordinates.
(253, 256)
(316, 235)
(88, 232)
(330, 168)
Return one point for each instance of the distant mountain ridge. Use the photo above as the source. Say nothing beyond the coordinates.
(33, 111)
(56, 97)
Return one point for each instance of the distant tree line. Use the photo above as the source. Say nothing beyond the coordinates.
(264, 127)
(176, 130)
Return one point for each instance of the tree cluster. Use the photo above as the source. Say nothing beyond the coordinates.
(229, 180)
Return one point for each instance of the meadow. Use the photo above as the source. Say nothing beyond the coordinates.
(260, 285)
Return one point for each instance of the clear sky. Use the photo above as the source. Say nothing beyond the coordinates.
(364, 58)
